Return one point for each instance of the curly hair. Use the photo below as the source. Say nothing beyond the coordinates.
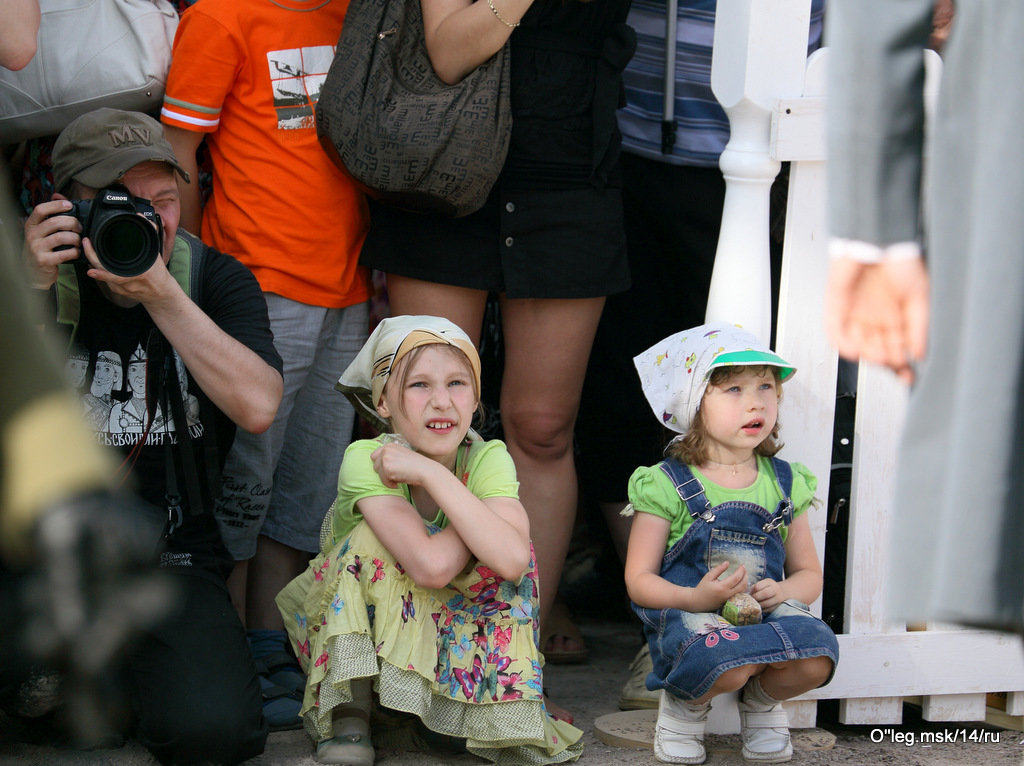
(692, 447)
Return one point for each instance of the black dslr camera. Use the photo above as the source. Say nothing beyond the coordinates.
(121, 230)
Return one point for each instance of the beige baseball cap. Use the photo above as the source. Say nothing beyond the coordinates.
(98, 148)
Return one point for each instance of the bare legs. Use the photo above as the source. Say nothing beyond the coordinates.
(764, 726)
(781, 680)
(547, 344)
(273, 567)
(786, 680)
(460, 305)
(253, 589)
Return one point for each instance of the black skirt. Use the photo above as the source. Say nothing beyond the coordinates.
(566, 243)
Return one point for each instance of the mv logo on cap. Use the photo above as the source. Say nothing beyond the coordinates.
(130, 134)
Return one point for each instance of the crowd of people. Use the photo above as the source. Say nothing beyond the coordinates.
(316, 579)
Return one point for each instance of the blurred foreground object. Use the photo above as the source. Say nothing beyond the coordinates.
(78, 573)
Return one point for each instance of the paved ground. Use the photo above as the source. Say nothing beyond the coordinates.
(591, 691)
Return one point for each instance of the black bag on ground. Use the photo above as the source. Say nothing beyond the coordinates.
(406, 136)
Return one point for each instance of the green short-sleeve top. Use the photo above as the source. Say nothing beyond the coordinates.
(652, 491)
(485, 467)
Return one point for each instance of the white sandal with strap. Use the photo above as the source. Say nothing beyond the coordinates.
(351, 744)
(764, 726)
(679, 733)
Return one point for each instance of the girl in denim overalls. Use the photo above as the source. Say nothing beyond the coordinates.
(723, 520)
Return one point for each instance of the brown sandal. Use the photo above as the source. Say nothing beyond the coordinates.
(559, 623)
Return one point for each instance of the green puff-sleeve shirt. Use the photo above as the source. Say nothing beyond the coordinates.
(652, 491)
(485, 467)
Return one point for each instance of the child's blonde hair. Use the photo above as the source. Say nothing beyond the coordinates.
(692, 447)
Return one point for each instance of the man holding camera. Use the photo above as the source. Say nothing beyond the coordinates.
(198, 321)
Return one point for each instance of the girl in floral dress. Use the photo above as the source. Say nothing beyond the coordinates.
(424, 591)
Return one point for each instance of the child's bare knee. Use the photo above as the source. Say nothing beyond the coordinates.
(734, 679)
(818, 669)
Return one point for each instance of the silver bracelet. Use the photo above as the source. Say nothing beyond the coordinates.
(509, 24)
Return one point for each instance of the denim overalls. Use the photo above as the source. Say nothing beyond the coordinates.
(690, 650)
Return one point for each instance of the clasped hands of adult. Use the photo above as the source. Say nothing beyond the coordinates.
(711, 593)
(878, 312)
(53, 237)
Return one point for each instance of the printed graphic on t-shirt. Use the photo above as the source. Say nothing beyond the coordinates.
(297, 75)
(114, 400)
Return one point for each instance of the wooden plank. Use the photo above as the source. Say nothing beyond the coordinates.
(803, 714)
(881, 402)
(906, 664)
(798, 129)
(881, 405)
(808, 403)
(1015, 703)
(998, 717)
(953, 707)
(873, 710)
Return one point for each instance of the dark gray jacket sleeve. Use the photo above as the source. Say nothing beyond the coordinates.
(876, 117)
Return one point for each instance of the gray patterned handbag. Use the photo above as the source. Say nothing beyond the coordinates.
(406, 136)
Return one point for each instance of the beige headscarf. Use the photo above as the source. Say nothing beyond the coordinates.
(363, 382)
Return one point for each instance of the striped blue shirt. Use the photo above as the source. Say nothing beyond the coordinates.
(702, 129)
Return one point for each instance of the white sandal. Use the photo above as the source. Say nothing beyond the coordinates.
(351, 744)
(346, 750)
(679, 732)
(635, 694)
(764, 726)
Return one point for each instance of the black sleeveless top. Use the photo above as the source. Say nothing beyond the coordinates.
(567, 59)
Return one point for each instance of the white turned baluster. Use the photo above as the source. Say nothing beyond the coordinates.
(759, 55)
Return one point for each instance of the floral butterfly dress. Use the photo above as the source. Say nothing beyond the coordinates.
(463, 657)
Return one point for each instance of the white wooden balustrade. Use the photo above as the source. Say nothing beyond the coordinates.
(775, 99)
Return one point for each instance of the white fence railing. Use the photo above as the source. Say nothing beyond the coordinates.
(776, 104)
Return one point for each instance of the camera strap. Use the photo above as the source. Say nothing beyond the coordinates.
(172, 401)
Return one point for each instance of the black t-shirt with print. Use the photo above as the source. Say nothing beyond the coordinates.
(127, 373)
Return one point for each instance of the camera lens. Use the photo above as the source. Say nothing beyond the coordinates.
(126, 244)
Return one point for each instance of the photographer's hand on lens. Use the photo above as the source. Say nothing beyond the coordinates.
(52, 237)
(93, 589)
(153, 285)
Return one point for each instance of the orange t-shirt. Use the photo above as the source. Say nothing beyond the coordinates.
(248, 73)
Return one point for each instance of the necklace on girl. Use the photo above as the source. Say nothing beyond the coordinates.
(734, 466)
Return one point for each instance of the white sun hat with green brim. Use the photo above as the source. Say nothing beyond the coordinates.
(674, 372)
